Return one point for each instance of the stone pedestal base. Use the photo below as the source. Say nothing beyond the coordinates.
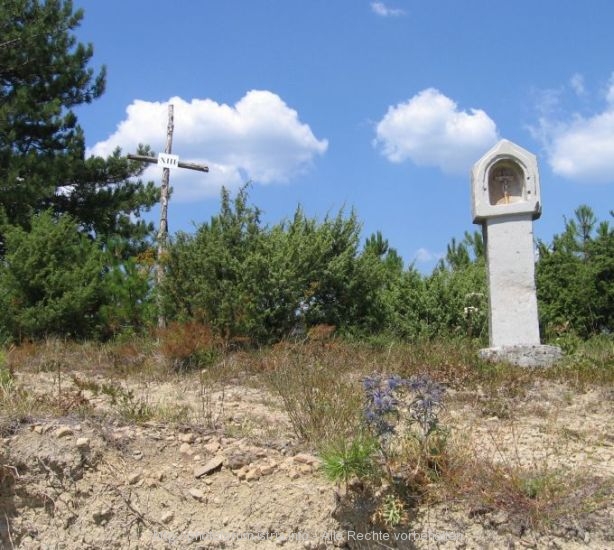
(532, 355)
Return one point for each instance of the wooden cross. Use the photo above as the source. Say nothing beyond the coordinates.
(164, 195)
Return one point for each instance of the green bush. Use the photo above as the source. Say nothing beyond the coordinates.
(51, 280)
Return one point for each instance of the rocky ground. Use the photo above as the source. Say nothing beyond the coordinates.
(231, 474)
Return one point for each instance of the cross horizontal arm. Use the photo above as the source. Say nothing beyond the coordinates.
(181, 164)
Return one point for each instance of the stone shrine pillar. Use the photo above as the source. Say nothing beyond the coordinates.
(506, 200)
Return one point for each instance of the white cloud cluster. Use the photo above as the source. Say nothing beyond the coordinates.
(259, 138)
(582, 148)
(430, 130)
(424, 255)
(577, 84)
(382, 10)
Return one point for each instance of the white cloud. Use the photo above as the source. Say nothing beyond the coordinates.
(609, 96)
(382, 10)
(430, 130)
(581, 148)
(258, 138)
(423, 255)
(577, 84)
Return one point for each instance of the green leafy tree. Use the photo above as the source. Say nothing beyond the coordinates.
(246, 279)
(206, 277)
(407, 316)
(575, 285)
(456, 295)
(51, 280)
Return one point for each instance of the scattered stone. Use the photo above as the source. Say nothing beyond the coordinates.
(38, 429)
(186, 449)
(304, 458)
(499, 518)
(83, 443)
(293, 474)
(305, 469)
(167, 517)
(187, 438)
(134, 477)
(197, 494)
(239, 459)
(268, 469)
(253, 474)
(210, 467)
(212, 447)
(63, 431)
(102, 515)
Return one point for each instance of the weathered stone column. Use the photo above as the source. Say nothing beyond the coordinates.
(506, 200)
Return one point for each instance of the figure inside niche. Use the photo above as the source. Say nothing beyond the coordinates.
(505, 183)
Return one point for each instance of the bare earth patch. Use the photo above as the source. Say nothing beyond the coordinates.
(220, 467)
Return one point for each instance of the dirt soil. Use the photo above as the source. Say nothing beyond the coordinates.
(234, 475)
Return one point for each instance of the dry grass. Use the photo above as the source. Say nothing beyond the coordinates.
(536, 498)
(319, 383)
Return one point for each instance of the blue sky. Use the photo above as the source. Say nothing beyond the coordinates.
(380, 106)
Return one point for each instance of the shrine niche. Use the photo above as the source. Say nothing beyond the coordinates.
(505, 183)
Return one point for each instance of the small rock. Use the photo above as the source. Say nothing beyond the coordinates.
(167, 517)
(197, 494)
(186, 449)
(268, 469)
(305, 469)
(499, 518)
(212, 447)
(83, 443)
(293, 474)
(102, 515)
(38, 429)
(253, 474)
(239, 459)
(304, 458)
(210, 467)
(63, 431)
(134, 477)
(187, 438)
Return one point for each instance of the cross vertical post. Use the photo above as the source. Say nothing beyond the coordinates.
(163, 229)
(164, 197)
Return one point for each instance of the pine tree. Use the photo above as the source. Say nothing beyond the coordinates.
(44, 76)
